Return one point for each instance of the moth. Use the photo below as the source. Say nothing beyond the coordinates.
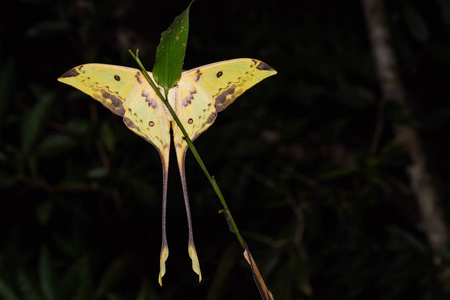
(199, 95)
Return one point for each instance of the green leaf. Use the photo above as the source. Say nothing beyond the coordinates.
(6, 291)
(110, 277)
(415, 23)
(44, 211)
(46, 274)
(35, 120)
(77, 281)
(223, 271)
(55, 144)
(26, 286)
(7, 85)
(170, 52)
(148, 293)
(107, 136)
(113, 297)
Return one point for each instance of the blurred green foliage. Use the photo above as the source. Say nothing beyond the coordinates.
(323, 217)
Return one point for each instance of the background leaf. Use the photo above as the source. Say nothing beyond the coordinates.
(34, 122)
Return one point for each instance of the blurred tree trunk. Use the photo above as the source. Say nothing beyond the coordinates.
(406, 135)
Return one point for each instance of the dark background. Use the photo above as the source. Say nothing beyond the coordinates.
(324, 217)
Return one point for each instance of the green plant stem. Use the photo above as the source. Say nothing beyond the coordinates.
(194, 151)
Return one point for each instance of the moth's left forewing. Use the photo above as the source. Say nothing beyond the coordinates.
(204, 91)
(207, 90)
(227, 80)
